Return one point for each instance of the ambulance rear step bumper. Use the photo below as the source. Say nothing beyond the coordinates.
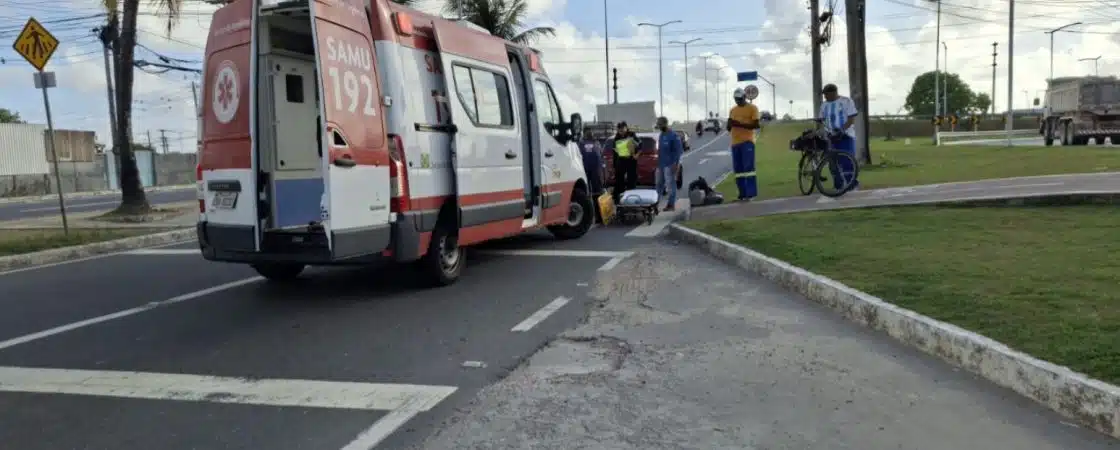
(236, 243)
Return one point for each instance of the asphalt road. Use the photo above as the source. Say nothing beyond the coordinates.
(16, 211)
(161, 349)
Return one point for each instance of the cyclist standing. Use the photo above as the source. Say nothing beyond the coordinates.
(838, 115)
(742, 122)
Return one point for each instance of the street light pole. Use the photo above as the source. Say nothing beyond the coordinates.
(687, 105)
(705, 58)
(660, 64)
(773, 95)
(945, 103)
(1051, 33)
(607, 50)
(1096, 65)
(937, 72)
(1010, 70)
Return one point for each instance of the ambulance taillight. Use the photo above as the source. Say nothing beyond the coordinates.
(398, 175)
(198, 188)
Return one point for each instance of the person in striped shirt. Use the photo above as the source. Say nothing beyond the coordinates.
(838, 115)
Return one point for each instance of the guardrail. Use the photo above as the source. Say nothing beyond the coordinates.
(981, 136)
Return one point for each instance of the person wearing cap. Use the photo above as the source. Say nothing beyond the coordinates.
(742, 122)
(625, 164)
(837, 115)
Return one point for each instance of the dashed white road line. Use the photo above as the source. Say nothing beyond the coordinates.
(702, 161)
(402, 401)
(610, 264)
(121, 314)
(697, 149)
(540, 315)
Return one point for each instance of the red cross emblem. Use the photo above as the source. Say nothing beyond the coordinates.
(225, 91)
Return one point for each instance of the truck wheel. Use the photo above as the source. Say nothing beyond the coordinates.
(581, 215)
(443, 262)
(279, 272)
(1099, 140)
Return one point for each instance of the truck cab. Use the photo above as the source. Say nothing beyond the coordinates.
(351, 131)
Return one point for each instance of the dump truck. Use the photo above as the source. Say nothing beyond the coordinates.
(1080, 109)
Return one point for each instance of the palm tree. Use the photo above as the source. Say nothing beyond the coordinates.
(133, 198)
(502, 18)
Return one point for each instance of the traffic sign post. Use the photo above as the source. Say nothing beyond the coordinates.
(36, 45)
(751, 91)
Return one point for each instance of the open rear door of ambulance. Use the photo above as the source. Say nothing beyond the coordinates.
(355, 161)
(488, 151)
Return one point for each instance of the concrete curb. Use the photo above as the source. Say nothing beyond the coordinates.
(41, 198)
(1091, 403)
(63, 254)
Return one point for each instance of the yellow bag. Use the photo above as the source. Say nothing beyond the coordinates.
(606, 207)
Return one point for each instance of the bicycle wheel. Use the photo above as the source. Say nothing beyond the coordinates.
(833, 161)
(806, 173)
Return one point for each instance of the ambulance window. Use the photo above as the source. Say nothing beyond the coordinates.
(548, 110)
(464, 87)
(293, 86)
(492, 93)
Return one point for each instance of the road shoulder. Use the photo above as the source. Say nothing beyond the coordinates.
(685, 352)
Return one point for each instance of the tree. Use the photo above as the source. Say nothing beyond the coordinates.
(122, 23)
(502, 18)
(9, 116)
(919, 101)
(981, 102)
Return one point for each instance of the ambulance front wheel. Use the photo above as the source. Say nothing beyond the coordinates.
(581, 216)
(443, 262)
(279, 271)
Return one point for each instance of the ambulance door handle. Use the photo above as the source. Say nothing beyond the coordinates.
(548, 154)
(510, 154)
(344, 162)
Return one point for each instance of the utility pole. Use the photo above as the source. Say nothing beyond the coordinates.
(163, 141)
(607, 52)
(687, 105)
(945, 92)
(660, 63)
(994, 44)
(615, 70)
(107, 35)
(815, 37)
(855, 12)
(707, 112)
(1010, 69)
(937, 73)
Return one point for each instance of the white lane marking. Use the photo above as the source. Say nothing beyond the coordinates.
(120, 314)
(165, 251)
(721, 178)
(660, 222)
(75, 206)
(610, 264)
(541, 314)
(381, 429)
(88, 258)
(697, 149)
(702, 161)
(202, 388)
(720, 153)
(569, 253)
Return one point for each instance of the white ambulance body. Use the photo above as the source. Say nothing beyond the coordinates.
(350, 131)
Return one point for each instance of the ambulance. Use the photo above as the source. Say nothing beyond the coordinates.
(355, 131)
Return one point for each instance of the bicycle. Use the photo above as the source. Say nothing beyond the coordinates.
(817, 153)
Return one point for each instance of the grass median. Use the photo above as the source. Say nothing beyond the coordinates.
(1039, 279)
(14, 242)
(899, 164)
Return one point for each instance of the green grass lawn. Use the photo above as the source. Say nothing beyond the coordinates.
(899, 164)
(14, 242)
(1039, 279)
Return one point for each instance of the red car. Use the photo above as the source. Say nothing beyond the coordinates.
(647, 162)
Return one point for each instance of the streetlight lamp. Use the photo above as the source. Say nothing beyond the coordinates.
(687, 105)
(1051, 33)
(1096, 64)
(705, 58)
(660, 80)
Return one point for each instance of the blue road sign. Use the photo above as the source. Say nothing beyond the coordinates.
(748, 76)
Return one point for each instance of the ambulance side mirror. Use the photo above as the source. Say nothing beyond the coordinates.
(576, 125)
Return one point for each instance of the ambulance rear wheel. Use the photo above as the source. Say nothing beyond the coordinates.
(581, 215)
(279, 271)
(443, 262)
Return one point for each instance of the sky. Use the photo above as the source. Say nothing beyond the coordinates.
(768, 36)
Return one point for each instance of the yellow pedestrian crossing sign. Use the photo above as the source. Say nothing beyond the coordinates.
(35, 44)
